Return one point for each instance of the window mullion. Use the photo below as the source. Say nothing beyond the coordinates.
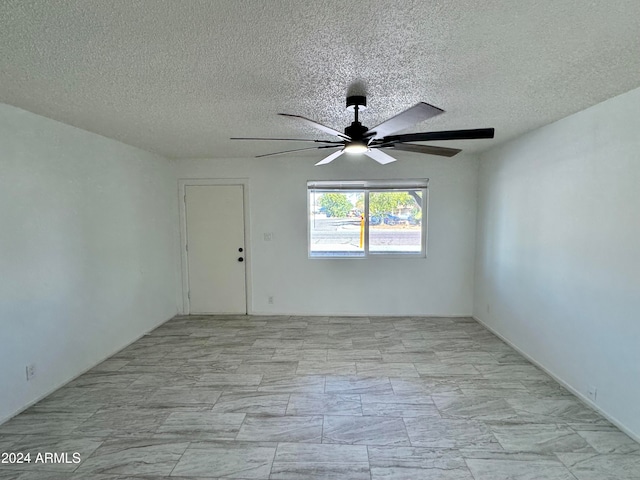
(366, 223)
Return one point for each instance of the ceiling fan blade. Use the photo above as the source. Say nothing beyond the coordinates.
(297, 150)
(379, 156)
(317, 125)
(285, 139)
(416, 114)
(428, 149)
(330, 158)
(449, 135)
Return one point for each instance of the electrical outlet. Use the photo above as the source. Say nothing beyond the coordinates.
(31, 371)
(270, 300)
(592, 393)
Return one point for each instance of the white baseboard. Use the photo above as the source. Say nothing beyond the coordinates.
(355, 315)
(566, 385)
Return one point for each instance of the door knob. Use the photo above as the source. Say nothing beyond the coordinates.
(241, 259)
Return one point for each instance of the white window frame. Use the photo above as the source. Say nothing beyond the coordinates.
(370, 186)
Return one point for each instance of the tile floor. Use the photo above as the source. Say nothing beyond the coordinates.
(318, 398)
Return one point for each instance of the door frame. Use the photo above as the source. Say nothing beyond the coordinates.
(183, 183)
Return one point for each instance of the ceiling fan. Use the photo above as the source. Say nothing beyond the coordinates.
(371, 141)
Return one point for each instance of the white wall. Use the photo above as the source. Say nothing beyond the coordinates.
(441, 284)
(87, 251)
(558, 253)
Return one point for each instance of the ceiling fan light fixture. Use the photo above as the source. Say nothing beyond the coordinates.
(356, 147)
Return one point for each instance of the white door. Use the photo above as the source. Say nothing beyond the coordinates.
(215, 248)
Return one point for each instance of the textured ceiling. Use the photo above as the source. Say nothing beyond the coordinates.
(181, 77)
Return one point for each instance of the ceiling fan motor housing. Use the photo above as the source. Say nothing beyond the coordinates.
(356, 131)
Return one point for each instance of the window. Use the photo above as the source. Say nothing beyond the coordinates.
(367, 218)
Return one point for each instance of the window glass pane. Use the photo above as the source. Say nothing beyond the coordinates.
(395, 221)
(336, 226)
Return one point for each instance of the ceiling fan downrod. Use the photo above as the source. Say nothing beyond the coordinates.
(356, 130)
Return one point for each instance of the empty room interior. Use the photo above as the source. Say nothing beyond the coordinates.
(320, 240)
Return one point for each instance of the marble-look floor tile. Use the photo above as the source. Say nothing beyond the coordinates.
(354, 430)
(11, 474)
(398, 405)
(438, 344)
(384, 345)
(420, 395)
(134, 457)
(109, 365)
(350, 320)
(107, 396)
(256, 403)
(292, 354)
(593, 466)
(424, 386)
(353, 384)
(329, 342)
(84, 402)
(227, 381)
(351, 355)
(303, 429)
(446, 370)
(309, 367)
(169, 397)
(435, 432)
(201, 425)
(123, 422)
(64, 396)
(608, 440)
(230, 461)
(416, 457)
(409, 463)
(478, 408)
(450, 336)
(151, 367)
(409, 357)
(292, 383)
(44, 423)
(205, 355)
(545, 388)
(385, 331)
(384, 369)
(539, 438)
(509, 466)
(150, 381)
(49, 475)
(472, 358)
(512, 372)
(324, 404)
(277, 343)
(280, 324)
(489, 343)
(510, 357)
(295, 461)
(554, 410)
(7, 441)
(113, 379)
(481, 387)
(244, 357)
(268, 367)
